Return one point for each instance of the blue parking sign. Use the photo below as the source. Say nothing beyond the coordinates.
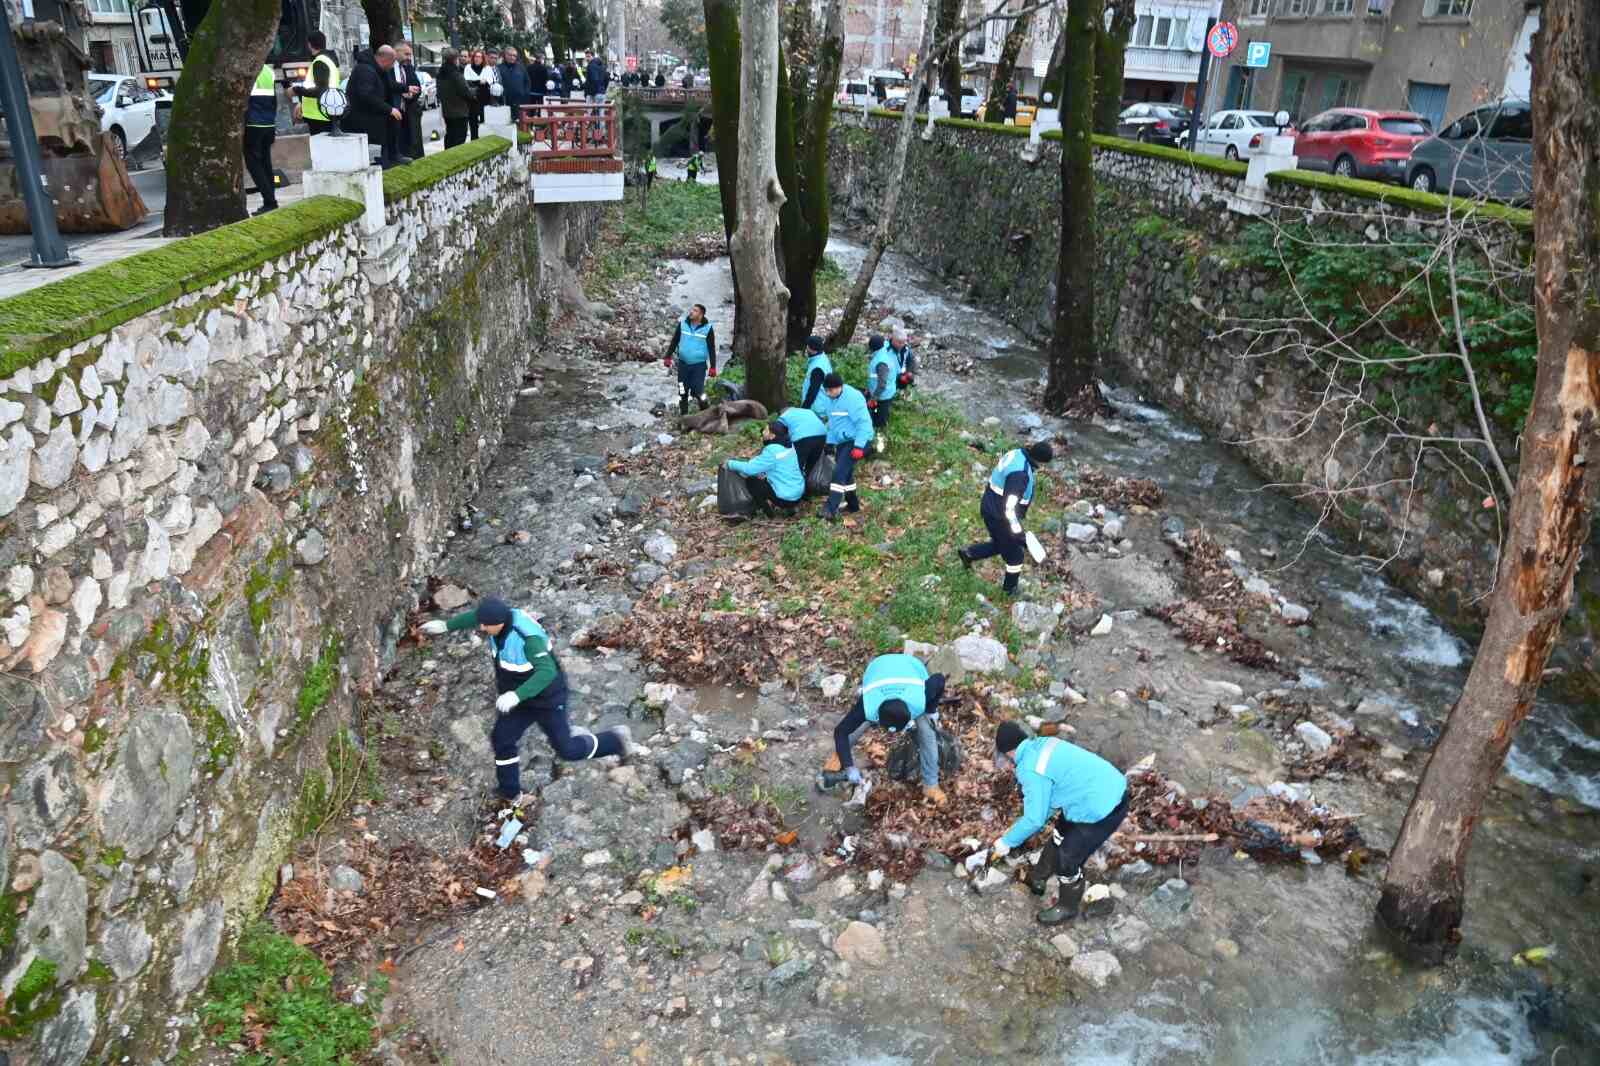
(1258, 53)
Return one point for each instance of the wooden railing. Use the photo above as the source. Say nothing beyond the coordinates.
(569, 130)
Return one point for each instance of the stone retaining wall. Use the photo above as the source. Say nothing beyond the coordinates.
(1173, 292)
(213, 513)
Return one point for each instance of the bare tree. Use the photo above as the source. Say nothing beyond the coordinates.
(1110, 51)
(753, 247)
(1074, 344)
(1006, 67)
(1424, 889)
(205, 144)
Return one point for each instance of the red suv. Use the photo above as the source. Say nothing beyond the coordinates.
(1356, 143)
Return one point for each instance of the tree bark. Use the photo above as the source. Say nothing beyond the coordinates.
(805, 116)
(1110, 50)
(1423, 891)
(723, 47)
(891, 194)
(760, 199)
(1073, 354)
(383, 23)
(950, 54)
(205, 143)
(1003, 70)
(559, 17)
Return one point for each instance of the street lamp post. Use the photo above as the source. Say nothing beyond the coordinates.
(49, 250)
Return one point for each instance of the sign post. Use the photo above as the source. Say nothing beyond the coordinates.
(1197, 115)
(49, 250)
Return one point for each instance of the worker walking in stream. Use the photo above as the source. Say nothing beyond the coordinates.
(694, 342)
(532, 691)
(1089, 796)
(897, 693)
(1005, 504)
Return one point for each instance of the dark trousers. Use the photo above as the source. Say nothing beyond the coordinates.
(1002, 541)
(258, 161)
(455, 132)
(413, 123)
(807, 452)
(538, 104)
(880, 415)
(761, 492)
(474, 120)
(318, 125)
(843, 486)
(548, 711)
(850, 725)
(691, 384)
(1071, 844)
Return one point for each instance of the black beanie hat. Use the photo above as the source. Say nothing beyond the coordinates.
(778, 430)
(874, 342)
(894, 714)
(833, 381)
(814, 343)
(1008, 736)
(1041, 452)
(493, 611)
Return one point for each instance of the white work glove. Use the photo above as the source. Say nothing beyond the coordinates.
(853, 776)
(1000, 850)
(435, 627)
(507, 701)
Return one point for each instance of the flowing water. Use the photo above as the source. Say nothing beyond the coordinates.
(1314, 986)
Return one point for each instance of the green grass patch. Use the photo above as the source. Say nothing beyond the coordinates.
(400, 182)
(637, 236)
(45, 321)
(34, 999)
(278, 999)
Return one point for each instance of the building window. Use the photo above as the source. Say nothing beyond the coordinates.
(1296, 7)
(1141, 31)
(1293, 95)
(1447, 9)
(1260, 9)
(1339, 91)
(1163, 33)
(1180, 33)
(108, 7)
(1338, 7)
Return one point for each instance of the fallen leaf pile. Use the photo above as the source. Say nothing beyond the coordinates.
(1215, 601)
(1119, 493)
(739, 826)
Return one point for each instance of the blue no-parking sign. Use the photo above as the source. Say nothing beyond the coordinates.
(1258, 53)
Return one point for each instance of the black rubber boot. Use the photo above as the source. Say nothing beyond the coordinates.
(683, 406)
(1067, 906)
(1042, 871)
(704, 403)
(966, 560)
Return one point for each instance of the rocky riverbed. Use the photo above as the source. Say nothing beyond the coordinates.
(628, 924)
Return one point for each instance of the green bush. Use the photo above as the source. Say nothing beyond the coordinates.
(278, 999)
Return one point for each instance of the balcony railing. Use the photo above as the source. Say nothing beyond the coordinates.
(570, 131)
(667, 95)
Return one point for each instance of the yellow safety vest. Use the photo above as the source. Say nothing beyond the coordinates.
(310, 107)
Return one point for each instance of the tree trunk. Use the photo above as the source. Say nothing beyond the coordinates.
(950, 54)
(891, 194)
(1110, 50)
(722, 47)
(559, 17)
(1424, 888)
(205, 143)
(760, 199)
(993, 111)
(617, 30)
(805, 116)
(383, 22)
(1072, 346)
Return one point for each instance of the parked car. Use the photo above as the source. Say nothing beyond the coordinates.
(1027, 107)
(1358, 143)
(1154, 123)
(1235, 134)
(971, 102)
(1487, 152)
(127, 110)
(429, 96)
(856, 94)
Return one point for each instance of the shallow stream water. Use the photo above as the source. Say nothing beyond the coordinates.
(1314, 985)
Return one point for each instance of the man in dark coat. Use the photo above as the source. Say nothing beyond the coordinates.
(410, 134)
(514, 82)
(595, 80)
(371, 111)
(538, 77)
(456, 99)
(661, 80)
(1008, 109)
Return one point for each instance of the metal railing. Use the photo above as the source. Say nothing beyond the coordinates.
(667, 94)
(569, 130)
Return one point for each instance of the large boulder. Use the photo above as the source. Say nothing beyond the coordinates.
(980, 654)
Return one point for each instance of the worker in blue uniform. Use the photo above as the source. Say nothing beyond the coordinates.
(532, 691)
(900, 345)
(883, 374)
(818, 367)
(899, 694)
(807, 434)
(849, 433)
(694, 342)
(1089, 796)
(1005, 504)
(773, 475)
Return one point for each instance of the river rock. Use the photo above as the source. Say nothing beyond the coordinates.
(312, 548)
(1169, 903)
(1226, 689)
(343, 878)
(49, 798)
(1033, 617)
(1101, 628)
(661, 548)
(1112, 530)
(450, 597)
(140, 803)
(676, 762)
(1081, 532)
(980, 655)
(56, 923)
(704, 840)
(658, 694)
(861, 943)
(125, 947)
(1129, 932)
(782, 978)
(989, 880)
(644, 575)
(1096, 967)
(1063, 943)
(1313, 737)
(197, 947)
(1295, 614)
(831, 686)
(1224, 948)
(1172, 527)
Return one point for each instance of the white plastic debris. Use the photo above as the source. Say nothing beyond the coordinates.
(508, 833)
(486, 893)
(977, 859)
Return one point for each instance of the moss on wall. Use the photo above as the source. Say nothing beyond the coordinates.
(400, 182)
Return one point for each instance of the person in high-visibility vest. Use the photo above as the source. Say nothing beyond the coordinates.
(260, 130)
(694, 343)
(321, 75)
(899, 694)
(1006, 498)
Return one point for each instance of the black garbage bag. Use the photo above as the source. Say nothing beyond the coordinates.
(729, 390)
(733, 493)
(904, 765)
(821, 475)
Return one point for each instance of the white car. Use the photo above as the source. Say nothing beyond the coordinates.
(127, 110)
(1235, 134)
(429, 97)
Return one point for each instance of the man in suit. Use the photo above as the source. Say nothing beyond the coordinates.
(410, 135)
(372, 110)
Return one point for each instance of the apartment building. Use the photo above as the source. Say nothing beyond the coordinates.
(1438, 58)
(881, 34)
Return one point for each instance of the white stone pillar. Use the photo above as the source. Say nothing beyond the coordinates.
(498, 122)
(341, 166)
